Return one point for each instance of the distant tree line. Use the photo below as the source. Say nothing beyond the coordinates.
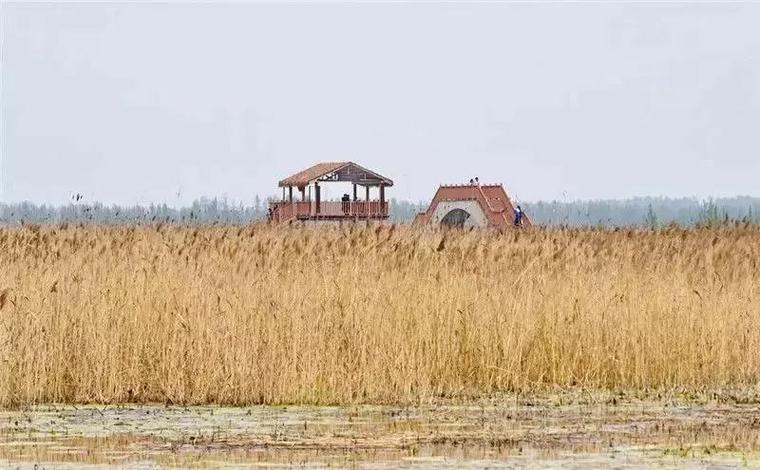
(202, 211)
(647, 212)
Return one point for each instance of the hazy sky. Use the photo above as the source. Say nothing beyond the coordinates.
(136, 103)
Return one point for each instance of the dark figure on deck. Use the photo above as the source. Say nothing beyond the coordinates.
(518, 217)
(346, 200)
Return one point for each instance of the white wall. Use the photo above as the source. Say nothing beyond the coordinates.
(477, 216)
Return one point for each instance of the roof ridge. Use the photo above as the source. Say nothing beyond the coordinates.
(468, 185)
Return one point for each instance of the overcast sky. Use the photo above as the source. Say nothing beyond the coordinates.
(136, 103)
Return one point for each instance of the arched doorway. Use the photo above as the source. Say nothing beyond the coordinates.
(455, 218)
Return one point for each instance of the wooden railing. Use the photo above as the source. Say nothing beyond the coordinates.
(284, 211)
(352, 209)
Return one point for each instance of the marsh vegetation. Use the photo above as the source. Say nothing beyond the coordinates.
(257, 314)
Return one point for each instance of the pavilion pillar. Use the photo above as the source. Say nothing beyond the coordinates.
(367, 188)
(355, 198)
(290, 193)
(303, 193)
(317, 196)
(382, 193)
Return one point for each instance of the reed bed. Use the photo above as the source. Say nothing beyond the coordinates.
(383, 314)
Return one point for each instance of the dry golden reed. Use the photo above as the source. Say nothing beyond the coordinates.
(261, 314)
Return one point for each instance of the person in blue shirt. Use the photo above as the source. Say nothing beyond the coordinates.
(518, 216)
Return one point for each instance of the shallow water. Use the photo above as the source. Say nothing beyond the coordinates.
(502, 433)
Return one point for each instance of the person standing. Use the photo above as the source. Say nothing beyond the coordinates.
(518, 216)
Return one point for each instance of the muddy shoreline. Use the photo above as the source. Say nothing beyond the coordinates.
(620, 431)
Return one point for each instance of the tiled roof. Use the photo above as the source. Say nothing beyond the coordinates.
(303, 178)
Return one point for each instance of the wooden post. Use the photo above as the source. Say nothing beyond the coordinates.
(355, 198)
(283, 194)
(290, 193)
(317, 195)
(367, 188)
(311, 201)
(382, 199)
(303, 193)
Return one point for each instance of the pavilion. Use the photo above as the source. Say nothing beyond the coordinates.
(309, 206)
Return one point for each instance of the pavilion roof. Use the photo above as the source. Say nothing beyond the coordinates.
(336, 171)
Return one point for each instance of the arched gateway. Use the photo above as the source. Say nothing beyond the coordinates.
(473, 205)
